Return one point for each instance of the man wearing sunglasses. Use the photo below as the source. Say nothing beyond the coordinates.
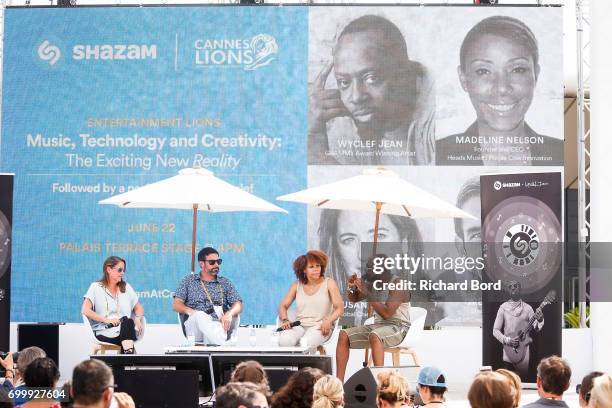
(210, 303)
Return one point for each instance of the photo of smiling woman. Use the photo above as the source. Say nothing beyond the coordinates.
(499, 69)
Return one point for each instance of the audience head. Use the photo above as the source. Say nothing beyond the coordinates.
(584, 388)
(491, 390)
(250, 371)
(241, 395)
(313, 257)
(515, 384)
(5, 400)
(41, 373)
(92, 383)
(601, 394)
(553, 376)
(26, 356)
(67, 401)
(432, 384)
(298, 391)
(393, 389)
(328, 393)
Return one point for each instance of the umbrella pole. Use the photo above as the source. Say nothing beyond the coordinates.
(193, 237)
(375, 244)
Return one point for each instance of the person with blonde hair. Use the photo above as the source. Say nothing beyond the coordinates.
(584, 388)
(393, 390)
(491, 390)
(601, 394)
(328, 393)
(515, 383)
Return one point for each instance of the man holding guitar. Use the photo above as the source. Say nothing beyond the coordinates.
(514, 322)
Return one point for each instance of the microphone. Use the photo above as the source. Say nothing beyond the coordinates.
(296, 323)
(109, 325)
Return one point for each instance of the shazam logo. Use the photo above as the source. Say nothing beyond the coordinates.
(497, 185)
(49, 53)
(521, 245)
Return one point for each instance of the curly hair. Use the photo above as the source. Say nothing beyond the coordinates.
(298, 392)
(302, 261)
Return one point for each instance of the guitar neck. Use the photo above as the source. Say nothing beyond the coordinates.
(533, 318)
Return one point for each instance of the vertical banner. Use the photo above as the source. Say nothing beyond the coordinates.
(522, 246)
(6, 217)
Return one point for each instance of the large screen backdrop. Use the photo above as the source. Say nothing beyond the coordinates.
(275, 99)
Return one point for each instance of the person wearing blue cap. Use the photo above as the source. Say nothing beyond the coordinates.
(431, 387)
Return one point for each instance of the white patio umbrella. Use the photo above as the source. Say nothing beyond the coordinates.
(378, 190)
(193, 189)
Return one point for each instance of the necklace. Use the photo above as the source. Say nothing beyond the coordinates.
(208, 294)
(115, 298)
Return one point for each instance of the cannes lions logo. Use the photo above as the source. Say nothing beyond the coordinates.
(521, 245)
(264, 47)
(48, 52)
(248, 53)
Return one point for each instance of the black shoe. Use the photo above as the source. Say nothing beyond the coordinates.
(131, 350)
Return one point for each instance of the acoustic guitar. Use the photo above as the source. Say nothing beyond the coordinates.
(523, 332)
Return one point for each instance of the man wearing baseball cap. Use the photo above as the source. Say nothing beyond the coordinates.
(431, 387)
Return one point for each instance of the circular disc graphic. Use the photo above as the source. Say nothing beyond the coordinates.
(523, 241)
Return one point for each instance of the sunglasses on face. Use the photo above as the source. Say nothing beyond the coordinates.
(211, 262)
(120, 270)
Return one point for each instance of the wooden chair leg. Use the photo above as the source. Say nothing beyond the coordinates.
(396, 357)
(414, 357)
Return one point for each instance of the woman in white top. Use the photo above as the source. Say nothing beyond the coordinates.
(110, 303)
(318, 302)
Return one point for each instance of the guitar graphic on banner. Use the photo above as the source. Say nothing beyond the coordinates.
(516, 354)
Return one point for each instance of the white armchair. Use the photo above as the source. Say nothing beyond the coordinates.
(412, 338)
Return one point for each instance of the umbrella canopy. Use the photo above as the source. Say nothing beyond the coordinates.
(193, 189)
(395, 195)
(193, 186)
